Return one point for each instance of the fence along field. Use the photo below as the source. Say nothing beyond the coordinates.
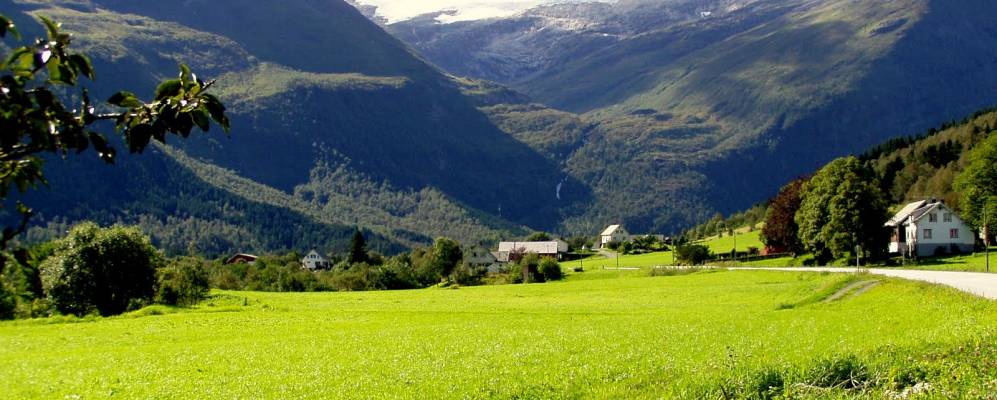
(604, 338)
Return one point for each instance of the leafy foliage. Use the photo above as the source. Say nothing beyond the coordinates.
(841, 208)
(978, 185)
(781, 231)
(693, 254)
(35, 120)
(104, 270)
(182, 282)
(550, 269)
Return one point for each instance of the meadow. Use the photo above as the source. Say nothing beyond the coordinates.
(601, 334)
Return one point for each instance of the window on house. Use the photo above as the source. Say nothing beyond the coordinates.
(927, 233)
(954, 234)
(932, 217)
(947, 217)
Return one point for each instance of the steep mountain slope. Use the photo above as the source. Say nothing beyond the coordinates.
(332, 117)
(708, 106)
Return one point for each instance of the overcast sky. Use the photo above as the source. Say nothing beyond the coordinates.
(398, 10)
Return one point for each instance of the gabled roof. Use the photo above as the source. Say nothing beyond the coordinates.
(905, 212)
(611, 230)
(530, 247)
(320, 256)
(501, 256)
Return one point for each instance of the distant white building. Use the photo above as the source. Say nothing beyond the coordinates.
(619, 234)
(507, 251)
(314, 261)
(614, 233)
(924, 227)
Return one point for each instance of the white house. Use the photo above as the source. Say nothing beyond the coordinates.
(929, 227)
(555, 249)
(314, 261)
(619, 234)
(614, 233)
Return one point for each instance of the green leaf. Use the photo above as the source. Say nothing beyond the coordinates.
(138, 137)
(217, 110)
(104, 151)
(200, 118)
(61, 73)
(81, 64)
(168, 88)
(6, 25)
(125, 99)
(51, 26)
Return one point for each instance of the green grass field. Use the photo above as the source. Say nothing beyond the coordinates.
(717, 245)
(621, 336)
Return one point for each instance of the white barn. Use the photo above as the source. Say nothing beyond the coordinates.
(555, 249)
(928, 227)
(314, 261)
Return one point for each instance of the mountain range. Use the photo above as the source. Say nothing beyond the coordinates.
(563, 118)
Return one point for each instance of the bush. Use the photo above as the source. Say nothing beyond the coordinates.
(104, 270)
(550, 269)
(693, 254)
(182, 283)
(8, 301)
(464, 275)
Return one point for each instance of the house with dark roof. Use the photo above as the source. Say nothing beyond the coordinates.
(929, 227)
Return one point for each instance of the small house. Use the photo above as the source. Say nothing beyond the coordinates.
(613, 233)
(242, 258)
(928, 227)
(314, 261)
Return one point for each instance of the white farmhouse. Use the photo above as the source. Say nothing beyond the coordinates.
(614, 233)
(314, 261)
(929, 227)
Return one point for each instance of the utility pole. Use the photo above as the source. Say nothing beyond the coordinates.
(986, 234)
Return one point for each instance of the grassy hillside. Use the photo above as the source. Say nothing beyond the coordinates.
(685, 336)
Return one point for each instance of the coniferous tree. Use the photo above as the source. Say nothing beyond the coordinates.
(358, 248)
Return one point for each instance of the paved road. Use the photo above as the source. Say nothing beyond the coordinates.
(980, 284)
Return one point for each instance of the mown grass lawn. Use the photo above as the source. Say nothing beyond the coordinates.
(620, 337)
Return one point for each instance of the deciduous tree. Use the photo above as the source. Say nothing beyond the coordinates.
(841, 208)
(103, 270)
(781, 231)
(978, 186)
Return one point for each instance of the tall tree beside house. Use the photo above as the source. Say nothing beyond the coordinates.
(35, 120)
(978, 186)
(358, 248)
(841, 208)
(781, 233)
(448, 255)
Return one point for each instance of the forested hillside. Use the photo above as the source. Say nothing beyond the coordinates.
(907, 168)
(336, 122)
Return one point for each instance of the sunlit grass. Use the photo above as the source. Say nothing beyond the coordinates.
(604, 338)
